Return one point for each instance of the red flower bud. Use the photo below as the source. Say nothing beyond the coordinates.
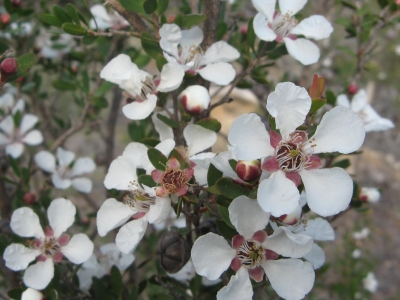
(352, 89)
(5, 18)
(29, 198)
(8, 67)
(171, 18)
(195, 99)
(248, 170)
(292, 218)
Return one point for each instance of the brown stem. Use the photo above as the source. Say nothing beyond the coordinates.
(111, 124)
(211, 10)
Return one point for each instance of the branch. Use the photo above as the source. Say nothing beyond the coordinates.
(211, 10)
(111, 123)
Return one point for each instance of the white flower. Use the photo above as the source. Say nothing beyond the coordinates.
(32, 294)
(182, 48)
(359, 104)
(252, 254)
(370, 283)
(49, 246)
(102, 264)
(8, 105)
(270, 25)
(356, 254)
(195, 99)
(360, 235)
(105, 20)
(54, 46)
(370, 194)
(291, 156)
(63, 175)
(15, 137)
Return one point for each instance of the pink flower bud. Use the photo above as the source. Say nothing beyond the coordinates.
(8, 67)
(29, 198)
(171, 18)
(248, 170)
(292, 218)
(5, 18)
(195, 99)
(243, 30)
(352, 88)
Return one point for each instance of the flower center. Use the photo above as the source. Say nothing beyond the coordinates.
(283, 24)
(49, 246)
(173, 180)
(148, 87)
(139, 200)
(191, 57)
(250, 254)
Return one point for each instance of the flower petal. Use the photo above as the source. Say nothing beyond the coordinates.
(4, 139)
(220, 51)
(314, 27)
(46, 161)
(39, 275)
(64, 157)
(27, 123)
(79, 249)
(238, 288)
(220, 73)
(82, 184)
(262, 29)
(381, 124)
(359, 101)
(140, 110)
(343, 100)
(171, 77)
(170, 35)
(112, 214)
(247, 217)
(83, 165)
(130, 235)
(118, 69)
(165, 132)
(340, 129)
(316, 256)
(60, 182)
(61, 215)
(320, 230)
(33, 138)
(32, 294)
(278, 195)
(25, 222)
(328, 191)
(160, 211)
(192, 37)
(211, 255)
(7, 125)
(15, 149)
(265, 7)
(198, 138)
(18, 257)
(121, 174)
(302, 50)
(291, 7)
(289, 104)
(249, 138)
(135, 151)
(290, 278)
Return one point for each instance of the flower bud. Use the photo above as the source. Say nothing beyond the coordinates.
(29, 198)
(16, 3)
(370, 194)
(292, 218)
(195, 99)
(248, 170)
(173, 251)
(352, 88)
(5, 18)
(171, 19)
(8, 67)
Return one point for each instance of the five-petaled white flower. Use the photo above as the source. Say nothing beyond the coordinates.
(66, 172)
(252, 254)
(291, 155)
(270, 25)
(48, 246)
(359, 104)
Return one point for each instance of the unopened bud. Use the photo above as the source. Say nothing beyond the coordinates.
(29, 198)
(5, 18)
(292, 218)
(16, 3)
(352, 89)
(370, 194)
(8, 67)
(173, 251)
(243, 30)
(195, 99)
(248, 170)
(171, 18)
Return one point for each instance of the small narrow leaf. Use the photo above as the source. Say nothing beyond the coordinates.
(231, 189)
(50, 19)
(210, 123)
(223, 211)
(162, 6)
(135, 6)
(116, 281)
(88, 40)
(14, 165)
(188, 21)
(104, 88)
(157, 159)
(251, 36)
(330, 97)
(316, 104)
(146, 180)
(168, 121)
(150, 6)
(213, 175)
(61, 14)
(73, 13)
(226, 231)
(150, 45)
(64, 85)
(74, 29)
(344, 163)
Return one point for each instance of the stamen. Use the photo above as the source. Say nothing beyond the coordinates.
(251, 254)
(283, 24)
(138, 199)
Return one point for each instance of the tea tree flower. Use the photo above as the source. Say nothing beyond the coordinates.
(48, 246)
(65, 170)
(270, 25)
(370, 283)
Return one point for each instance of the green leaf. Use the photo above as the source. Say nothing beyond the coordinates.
(116, 281)
(316, 104)
(88, 40)
(186, 117)
(160, 62)
(224, 212)
(101, 291)
(251, 36)
(157, 159)
(344, 163)
(226, 231)
(61, 14)
(162, 6)
(179, 207)
(223, 201)
(63, 85)
(134, 293)
(25, 62)
(104, 88)
(50, 19)
(188, 21)
(150, 45)
(15, 293)
(74, 29)
(52, 295)
(168, 121)
(142, 60)
(83, 19)
(195, 285)
(233, 163)
(14, 165)
(231, 189)
(150, 6)
(146, 180)
(213, 175)
(73, 13)
(85, 81)
(330, 97)
(349, 5)
(142, 286)
(258, 75)
(135, 6)
(100, 102)
(150, 142)
(210, 123)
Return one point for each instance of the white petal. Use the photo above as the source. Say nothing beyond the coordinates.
(170, 35)
(79, 249)
(15, 149)
(221, 162)
(121, 174)
(198, 138)
(291, 7)
(125, 261)
(39, 275)
(316, 256)
(82, 184)
(289, 244)
(343, 100)
(247, 217)
(220, 73)
(249, 138)
(112, 214)
(314, 27)
(135, 151)
(7, 125)
(289, 104)
(46, 161)
(238, 288)
(211, 255)
(6, 101)
(118, 69)
(165, 132)
(83, 165)
(192, 36)
(64, 157)
(61, 215)
(60, 182)
(140, 110)
(185, 274)
(262, 29)
(278, 195)
(382, 124)
(359, 101)
(265, 7)
(160, 211)
(4, 139)
(130, 235)
(27, 123)
(31, 294)
(33, 138)
(25, 222)
(303, 50)
(328, 191)
(18, 256)
(19, 106)
(220, 51)
(290, 278)
(320, 230)
(171, 77)
(340, 129)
